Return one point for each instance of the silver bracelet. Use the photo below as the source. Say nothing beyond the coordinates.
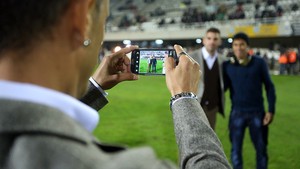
(182, 95)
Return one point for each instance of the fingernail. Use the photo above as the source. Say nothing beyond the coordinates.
(135, 77)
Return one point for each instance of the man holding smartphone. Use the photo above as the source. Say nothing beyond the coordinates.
(211, 88)
(45, 66)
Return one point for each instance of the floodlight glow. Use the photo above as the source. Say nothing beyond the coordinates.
(159, 41)
(198, 41)
(127, 42)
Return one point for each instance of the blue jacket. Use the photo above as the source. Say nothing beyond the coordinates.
(245, 84)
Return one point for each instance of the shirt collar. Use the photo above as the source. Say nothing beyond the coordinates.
(206, 55)
(70, 106)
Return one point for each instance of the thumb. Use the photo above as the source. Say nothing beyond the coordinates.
(125, 77)
(266, 120)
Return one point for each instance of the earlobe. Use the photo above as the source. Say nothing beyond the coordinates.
(80, 22)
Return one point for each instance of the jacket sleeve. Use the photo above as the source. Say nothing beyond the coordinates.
(94, 98)
(199, 146)
(269, 86)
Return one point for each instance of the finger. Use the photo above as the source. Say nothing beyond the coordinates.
(125, 77)
(126, 61)
(180, 52)
(127, 50)
(178, 49)
(266, 121)
(169, 63)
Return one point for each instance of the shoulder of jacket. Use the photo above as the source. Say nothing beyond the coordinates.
(20, 117)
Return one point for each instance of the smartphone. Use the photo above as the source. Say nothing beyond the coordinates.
(150, 61)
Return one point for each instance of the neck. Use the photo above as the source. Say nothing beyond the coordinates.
(211, 52)
(43, 66)
(244, 60)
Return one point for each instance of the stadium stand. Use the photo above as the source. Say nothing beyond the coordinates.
(273, 25)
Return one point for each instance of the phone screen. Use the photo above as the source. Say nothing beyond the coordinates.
(150, 61)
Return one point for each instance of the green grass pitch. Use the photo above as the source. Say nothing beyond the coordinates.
(144, 66)
(138, 115)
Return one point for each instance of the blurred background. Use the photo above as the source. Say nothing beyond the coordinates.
(138, 113)
(272, 25)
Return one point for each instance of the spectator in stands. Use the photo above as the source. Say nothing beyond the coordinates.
(238, 13)
(149, 1)
(294, 7)
(258, 11)
(211, 88)
(272, 63)
(271, 10)
(125, 22)
(244, 76)
(158, 12)
(292, 61)
(221, 13)
(266, 59)
(283, 63)
(298, 57)
(42, 72)
(187, 2)
(211, 8)
(139, 18)
(162, 22)
(172, 21)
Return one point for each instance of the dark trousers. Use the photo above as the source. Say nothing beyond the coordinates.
(211, 115)
(258, 133)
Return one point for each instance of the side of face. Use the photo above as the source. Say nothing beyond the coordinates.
(212, 41)
(240, 48)
(88, 57)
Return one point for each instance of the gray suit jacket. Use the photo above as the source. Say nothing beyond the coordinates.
(198, 56)
(34, 136)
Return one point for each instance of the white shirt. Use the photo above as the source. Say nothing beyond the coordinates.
(210, 60)
(70, 106)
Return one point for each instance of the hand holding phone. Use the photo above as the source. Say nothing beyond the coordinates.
(114, 69)
(185, 76)
(150, 61)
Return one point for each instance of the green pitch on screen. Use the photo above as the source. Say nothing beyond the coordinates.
(144, 66)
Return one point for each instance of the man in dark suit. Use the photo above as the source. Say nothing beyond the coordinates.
(46, 59)
(211, 88)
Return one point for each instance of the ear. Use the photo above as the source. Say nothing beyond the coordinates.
(220, 42)
(204, 40)
(80, 21)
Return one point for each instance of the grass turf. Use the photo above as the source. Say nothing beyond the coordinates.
(144, 66)
(138, 114)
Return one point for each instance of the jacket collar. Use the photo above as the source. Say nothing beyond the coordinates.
(25, 117)
(20, 117)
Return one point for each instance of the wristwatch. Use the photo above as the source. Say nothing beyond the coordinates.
(182, 95)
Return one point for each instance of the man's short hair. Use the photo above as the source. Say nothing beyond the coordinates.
(213, 30)
(26, 21)
(242, 36)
